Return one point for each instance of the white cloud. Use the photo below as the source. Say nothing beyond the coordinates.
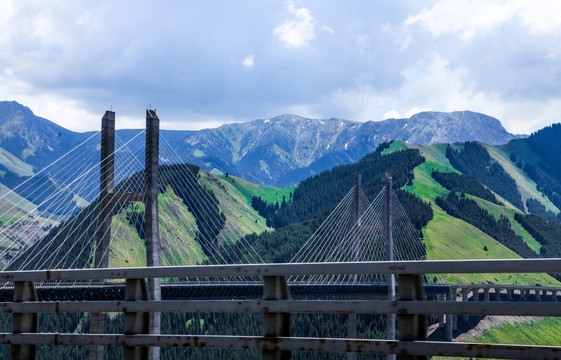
(416, 110)
(248, 61)
(433, 82)
(541, 16)
(392, 114)
(464, 18)
(85, 18)
(299, 31)
(467, 18)
(328, 29)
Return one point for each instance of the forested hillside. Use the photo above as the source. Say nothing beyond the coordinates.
(475, 161)
(538, 156)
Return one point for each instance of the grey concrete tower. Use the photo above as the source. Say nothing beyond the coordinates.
(108, 198)
(105, 212)
(107, 169)
(151, 215)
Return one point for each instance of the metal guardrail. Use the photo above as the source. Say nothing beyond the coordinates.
(276, 342)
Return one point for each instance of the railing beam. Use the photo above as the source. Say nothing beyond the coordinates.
(344, 268)
(24, 322)
(292, 306)
(366, 346)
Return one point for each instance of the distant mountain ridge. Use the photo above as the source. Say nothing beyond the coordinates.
(33, 139)
(285, 149)
(278, 151)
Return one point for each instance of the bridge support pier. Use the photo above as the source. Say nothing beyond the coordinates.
(136, 322)
(411, 327)
(276, 324)
(440, 297)
(509, 293)
(449, 319)
(24, 322)
(486, 296)
(465, 298)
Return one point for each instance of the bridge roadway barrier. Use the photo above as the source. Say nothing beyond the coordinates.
(277, 305)
(183, 290)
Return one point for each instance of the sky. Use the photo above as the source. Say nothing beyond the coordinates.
(205, 63)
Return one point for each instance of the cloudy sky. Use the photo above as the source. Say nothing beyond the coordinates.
(205, 63)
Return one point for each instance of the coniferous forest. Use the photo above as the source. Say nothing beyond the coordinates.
(474, 160)
(468, 210)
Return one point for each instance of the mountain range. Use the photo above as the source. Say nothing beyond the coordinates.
(279, 151)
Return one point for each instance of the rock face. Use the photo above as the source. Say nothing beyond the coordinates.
(33, 139)
(438, 127)
(278, 151)
(286, 149)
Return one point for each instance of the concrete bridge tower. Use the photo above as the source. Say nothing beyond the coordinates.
(108, 198)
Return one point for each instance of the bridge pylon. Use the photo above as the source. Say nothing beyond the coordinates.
(108, 197)
(388, 228)
(352, 318)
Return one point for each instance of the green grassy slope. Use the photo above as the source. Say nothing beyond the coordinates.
(537, 332)
(14, 164)
(397, 145)
(234, 203)
(11, 198)
(268, 194)
(447, 237)
(127, 248)
(178, 231)
(436, 153)
(497, 211)
(178, 228)
(526, 186)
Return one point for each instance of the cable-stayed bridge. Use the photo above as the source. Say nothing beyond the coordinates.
(108, 216)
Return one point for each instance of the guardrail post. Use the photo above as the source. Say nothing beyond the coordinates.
(24, 322)
(412, 327)
(440, 297)
(465, 297)
(275, 324)
(136, 322)
(449, 320)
